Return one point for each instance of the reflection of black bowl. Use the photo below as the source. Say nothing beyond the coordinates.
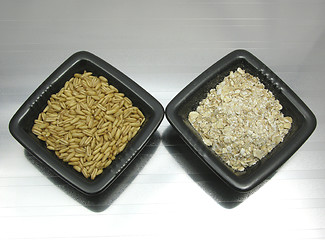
(101, 201)
(21, 124)
(221, 192)
(304, 121)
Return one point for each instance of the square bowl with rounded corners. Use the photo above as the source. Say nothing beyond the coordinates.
(21, 123)
(304, 121)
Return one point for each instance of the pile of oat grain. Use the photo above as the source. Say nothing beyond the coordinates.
(240, 120)
(87, 123)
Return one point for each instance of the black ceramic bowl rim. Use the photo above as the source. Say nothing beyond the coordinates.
(304, 121)
(21, 123)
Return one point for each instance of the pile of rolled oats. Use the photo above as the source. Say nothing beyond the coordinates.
(240, 120)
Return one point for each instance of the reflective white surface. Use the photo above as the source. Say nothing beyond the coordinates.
(163, 45)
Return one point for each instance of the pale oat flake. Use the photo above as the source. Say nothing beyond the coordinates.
(240, 120)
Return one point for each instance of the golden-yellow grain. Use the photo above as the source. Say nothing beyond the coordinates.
(136, 116)
(107, 163)
(70, 156)
(106, 137)
(37, 132)
(80, 112)
(105, 156)
(51, 147)
(100, 164)
(112, 111)
(91, 123)
(88, 150)
(136, 124)
(96, 151)
(103, 79)
(93, 143)
(50, 142)
(76, 163)
(96, 156)
(110, 118)
(56, 107)
(83, 140)
(80, 150)
(130, 119)
(115, 122)
(100, 123)
(101, 107)
(107, 151)
(64, 149)
(88, 133)
(78, 134)
(104, 147)
(75, 120)
(79, 155)
(74, 145)
(94, 174)
(118, 142)
(74, 159)
(122, 147)
(117, 134)
(112, 143)
(77, 168)
(102, 131)
(88, 163)
(82, 125)
(130, 135)
(91, 168)
(85, 173)
(99, 171)
(97, 112)
(99, 157)
(124, 139)
(63, 141)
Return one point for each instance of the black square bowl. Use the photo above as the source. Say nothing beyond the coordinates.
(304, 121)
(21, 123)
